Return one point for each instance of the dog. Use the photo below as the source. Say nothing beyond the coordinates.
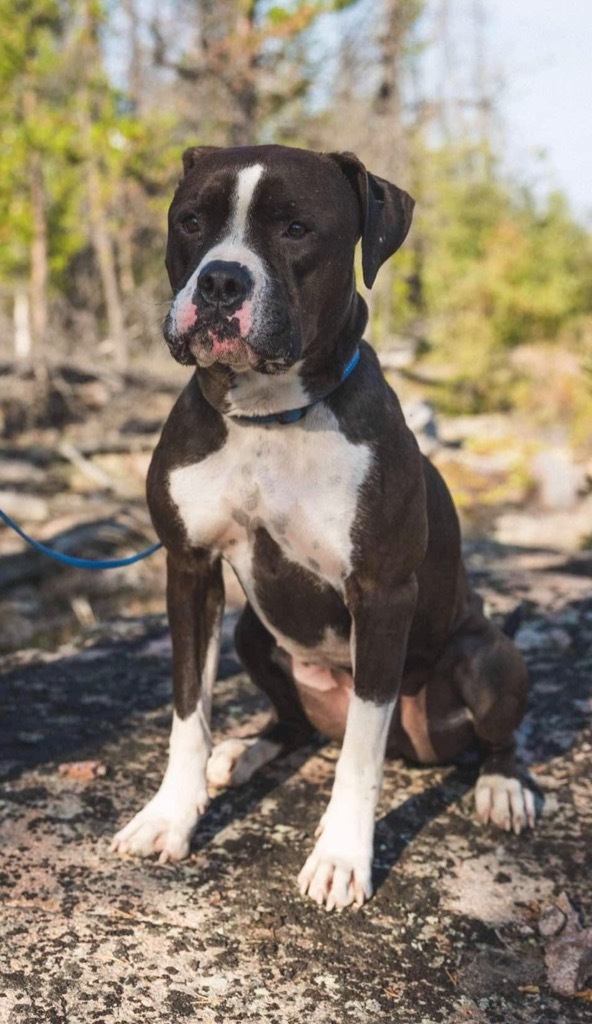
(287, 455)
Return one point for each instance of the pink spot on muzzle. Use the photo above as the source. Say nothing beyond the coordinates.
(244, 317)
(185, 317)
(221, 348)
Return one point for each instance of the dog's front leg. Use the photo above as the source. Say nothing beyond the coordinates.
(339, 870)
(195, 602)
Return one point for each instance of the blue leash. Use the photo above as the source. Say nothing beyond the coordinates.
(78, 563)
(289, 416)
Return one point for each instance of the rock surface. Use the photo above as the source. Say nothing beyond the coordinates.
(451, 935)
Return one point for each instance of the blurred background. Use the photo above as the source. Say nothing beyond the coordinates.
(483, 321)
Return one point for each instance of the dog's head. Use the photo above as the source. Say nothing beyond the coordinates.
(260, 251)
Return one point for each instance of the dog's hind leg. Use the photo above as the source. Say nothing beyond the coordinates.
(493, 681)
(234, 761)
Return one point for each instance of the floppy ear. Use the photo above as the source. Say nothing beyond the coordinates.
(385, 211)
(193, 154)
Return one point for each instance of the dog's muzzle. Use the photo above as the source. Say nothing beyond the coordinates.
(225, 317)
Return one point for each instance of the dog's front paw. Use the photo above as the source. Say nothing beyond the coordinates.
(336, 881)
(339, 869)
(506, 802)
(159, 828)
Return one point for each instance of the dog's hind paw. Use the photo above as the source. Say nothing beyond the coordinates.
(222, 766)
(506, 802)
(234, 761)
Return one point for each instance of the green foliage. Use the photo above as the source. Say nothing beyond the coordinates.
(487, 270)
(283, 14)
(28, 61)
(499, 271)
(49, 72)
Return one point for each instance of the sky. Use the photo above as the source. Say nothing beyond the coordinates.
(538, 55)
(544, 51)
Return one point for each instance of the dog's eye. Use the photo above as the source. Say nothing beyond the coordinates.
(190, 223)
(296, 229)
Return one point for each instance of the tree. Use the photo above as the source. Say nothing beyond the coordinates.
(245, 64)
(70, 163)
(29, 53)
(90, 150)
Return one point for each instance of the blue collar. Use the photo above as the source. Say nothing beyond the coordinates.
(293, 415)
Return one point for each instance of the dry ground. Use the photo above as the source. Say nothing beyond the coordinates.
(451, 934)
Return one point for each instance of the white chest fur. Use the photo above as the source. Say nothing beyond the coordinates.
(301, 482)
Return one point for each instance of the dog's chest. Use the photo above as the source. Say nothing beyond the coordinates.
(300, 483)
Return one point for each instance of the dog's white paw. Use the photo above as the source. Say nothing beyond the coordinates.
(224, 761)
(339, 869)
(505, 802)
(235, 761)
(336, 881)
(159, 828)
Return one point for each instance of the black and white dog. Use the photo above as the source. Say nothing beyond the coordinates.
(288, 456)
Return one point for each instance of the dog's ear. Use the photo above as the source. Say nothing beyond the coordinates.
(385, 210)
(192, 155)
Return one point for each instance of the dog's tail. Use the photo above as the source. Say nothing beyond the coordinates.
(513, 621)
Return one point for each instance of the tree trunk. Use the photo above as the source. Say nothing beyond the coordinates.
(39, 268)
(392, 153)
(388, 103)
(22, 326)
(125, 255)
(97, 209)
(134, 67)
(243, 131)
(38, 258)
(103, 247)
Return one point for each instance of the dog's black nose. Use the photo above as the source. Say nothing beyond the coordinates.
(224, 284)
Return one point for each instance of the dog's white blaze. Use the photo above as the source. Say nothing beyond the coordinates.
(232, 246)
(342, 857)
(301, 482)
(246, 184)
